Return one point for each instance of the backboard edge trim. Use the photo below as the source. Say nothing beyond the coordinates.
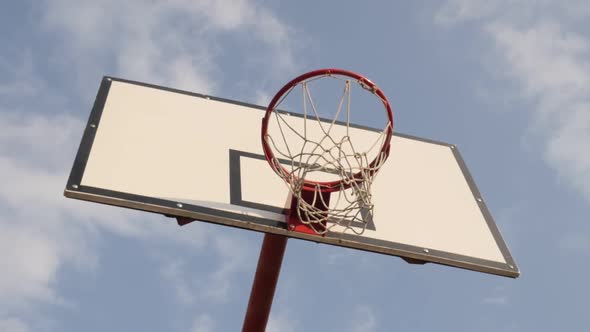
(169, 208)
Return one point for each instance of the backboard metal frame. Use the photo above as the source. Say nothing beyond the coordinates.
(75, 190)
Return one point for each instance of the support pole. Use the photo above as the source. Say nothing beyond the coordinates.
(265, 282)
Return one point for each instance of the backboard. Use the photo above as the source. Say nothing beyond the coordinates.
(199, 157)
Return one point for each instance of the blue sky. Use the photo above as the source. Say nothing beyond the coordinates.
(507, 81)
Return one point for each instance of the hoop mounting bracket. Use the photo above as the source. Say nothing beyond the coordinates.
(296, 218)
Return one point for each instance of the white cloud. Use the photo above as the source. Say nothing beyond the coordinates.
(145, 41)
(454, 11)
(13, 325)
(40, 230)
(518, 12)
(29, 265)
(168, 42)
(262, 98)
(32, 208)
(23, 81)
(499, 297)
(280, 322)
(203, 323)
(544, 58)
(229, 258)
(234, 255)
(552, 67)
(173, 273)
(541, 50)
(364, 319)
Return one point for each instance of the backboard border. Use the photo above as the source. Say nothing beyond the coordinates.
(171, 208)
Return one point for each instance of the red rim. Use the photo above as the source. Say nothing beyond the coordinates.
(329, 186)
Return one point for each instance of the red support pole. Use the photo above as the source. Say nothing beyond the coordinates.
(265, 282)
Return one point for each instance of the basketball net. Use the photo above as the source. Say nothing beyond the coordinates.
(328, 174)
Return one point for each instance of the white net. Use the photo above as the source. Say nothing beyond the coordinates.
(315, 155)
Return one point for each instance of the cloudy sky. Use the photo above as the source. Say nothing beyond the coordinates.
(508, 81)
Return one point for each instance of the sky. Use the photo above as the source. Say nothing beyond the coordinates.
(508, 81)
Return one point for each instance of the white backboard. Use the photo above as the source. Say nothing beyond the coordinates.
(200, 157)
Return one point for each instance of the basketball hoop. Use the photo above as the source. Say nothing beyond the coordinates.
(318, 160)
